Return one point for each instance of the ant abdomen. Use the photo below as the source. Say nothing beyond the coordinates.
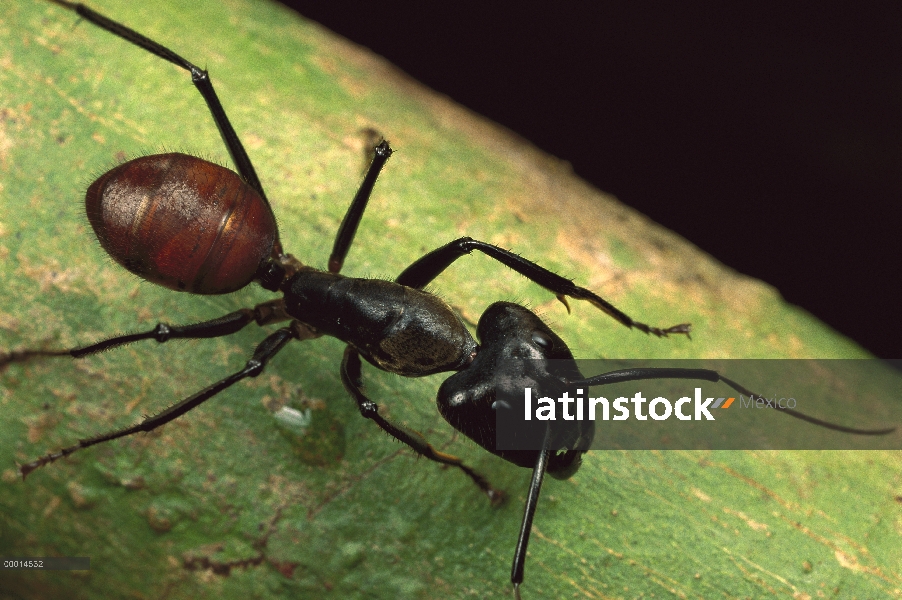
(182, 222)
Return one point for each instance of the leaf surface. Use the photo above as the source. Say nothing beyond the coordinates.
(228, 502)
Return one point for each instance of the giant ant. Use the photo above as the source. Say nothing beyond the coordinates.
(395, 326)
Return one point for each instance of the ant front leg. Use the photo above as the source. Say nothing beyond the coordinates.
(268, 348)
(423, 271)
(353, 382)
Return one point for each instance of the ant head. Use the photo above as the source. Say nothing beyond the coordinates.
(517, 351)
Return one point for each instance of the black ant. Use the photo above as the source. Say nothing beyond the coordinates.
(193, 226)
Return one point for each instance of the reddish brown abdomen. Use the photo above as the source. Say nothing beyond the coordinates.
(182, 222)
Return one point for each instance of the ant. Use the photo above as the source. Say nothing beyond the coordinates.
(193, 226)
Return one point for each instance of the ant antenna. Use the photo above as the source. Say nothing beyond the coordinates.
(713, 376)
(532, 500)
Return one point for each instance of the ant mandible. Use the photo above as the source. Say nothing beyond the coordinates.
(193, 226)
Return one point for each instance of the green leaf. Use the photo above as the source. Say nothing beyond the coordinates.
(233, 501)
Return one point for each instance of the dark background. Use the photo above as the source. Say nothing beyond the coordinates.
(769, 136)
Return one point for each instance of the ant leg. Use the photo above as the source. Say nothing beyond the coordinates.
(353, 382)
(268, 348)
(430, 266)
(263, 314)
(201, 81)
(26, 355)
(163, 332)
(348, 228)
(709, 375)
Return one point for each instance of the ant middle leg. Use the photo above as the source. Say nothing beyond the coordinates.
(263, 314)
(353, 382)
(348, 228)
(268, 348)
(423, 271)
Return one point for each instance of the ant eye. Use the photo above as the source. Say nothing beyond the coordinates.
(542, 340)
(500, 404)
